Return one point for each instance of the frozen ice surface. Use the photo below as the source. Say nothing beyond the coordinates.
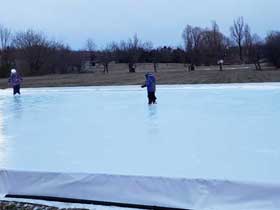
(195, 131)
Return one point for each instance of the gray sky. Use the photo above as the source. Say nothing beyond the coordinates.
(159, 21)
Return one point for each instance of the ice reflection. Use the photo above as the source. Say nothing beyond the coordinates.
(152, 111)
(17, 106)
(17, 103)
(3, 144)
(153, 128)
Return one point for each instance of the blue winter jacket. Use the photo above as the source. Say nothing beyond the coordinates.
(150, 83)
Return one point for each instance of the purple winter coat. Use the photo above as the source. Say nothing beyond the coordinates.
(15, 79)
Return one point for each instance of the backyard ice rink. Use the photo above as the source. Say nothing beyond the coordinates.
(227, 132)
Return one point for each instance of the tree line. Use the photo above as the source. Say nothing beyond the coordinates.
(34, 53)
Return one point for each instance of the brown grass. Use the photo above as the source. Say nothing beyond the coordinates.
(167, 74)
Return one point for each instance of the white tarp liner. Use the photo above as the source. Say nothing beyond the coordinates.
(155, 191)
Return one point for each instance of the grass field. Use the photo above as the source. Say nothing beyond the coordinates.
(167, 74)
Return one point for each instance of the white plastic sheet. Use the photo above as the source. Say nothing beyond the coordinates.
(157, 191)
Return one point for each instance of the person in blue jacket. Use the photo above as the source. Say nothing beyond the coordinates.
(15, 81)
(151, 87)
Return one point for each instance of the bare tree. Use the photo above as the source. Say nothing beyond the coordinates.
(272, 48)
(188, 38)
(5, 37)
(106, 56)
(216, 39)
(256, 52)
(34, 49)
(192, 39)
(204, 46)
(130, 52)
(252, 47)
(212, 46)
(219, 42)
(90, 45)
(91, 48)
(237, 33)
(155, 55)
(77, 61)
(6, 52)
(248, 41)
(132, 49)
(60, 59)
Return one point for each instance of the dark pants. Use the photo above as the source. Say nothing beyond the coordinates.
(152, 98)
(16, 89)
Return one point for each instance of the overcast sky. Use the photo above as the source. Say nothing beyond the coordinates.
(159, 21)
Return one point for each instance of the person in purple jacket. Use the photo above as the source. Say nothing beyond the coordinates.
(15, 81)
(151, 87)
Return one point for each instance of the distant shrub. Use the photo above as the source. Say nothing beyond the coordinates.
(273, 48)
